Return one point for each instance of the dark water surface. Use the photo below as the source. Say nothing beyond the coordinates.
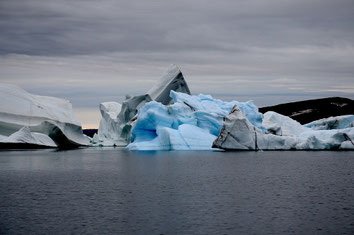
(115, 191)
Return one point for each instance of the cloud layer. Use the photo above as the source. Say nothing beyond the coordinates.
(93, 51)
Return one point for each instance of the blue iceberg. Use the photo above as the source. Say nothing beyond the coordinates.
(190, 123)
(119, 119)
(168, 117)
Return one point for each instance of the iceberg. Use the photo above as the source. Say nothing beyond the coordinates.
(339, 122)
(190, 123)
(25, 138)
(279, 124)
(347, 145)
(238, 133)
(50, 116)
(172, 80)
(207, 104)
(108, 127)
(115, 129)
(168, 117)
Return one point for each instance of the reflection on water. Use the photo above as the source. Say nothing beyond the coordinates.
(122, 192)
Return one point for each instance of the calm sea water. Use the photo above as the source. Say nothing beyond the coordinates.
(115, 191)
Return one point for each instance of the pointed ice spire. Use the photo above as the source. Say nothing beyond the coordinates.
(171, 80)
(121, 127)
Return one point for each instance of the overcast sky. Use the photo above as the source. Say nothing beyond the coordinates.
(90, 51)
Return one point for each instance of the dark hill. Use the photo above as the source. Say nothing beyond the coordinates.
(310, 110)
(89, 132)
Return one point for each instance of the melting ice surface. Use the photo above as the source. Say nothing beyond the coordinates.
(190, 123)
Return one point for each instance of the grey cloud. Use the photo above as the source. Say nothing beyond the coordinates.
(40, 27)
(92, 51)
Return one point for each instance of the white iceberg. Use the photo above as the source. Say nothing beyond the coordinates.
(25, 137)
(347, 145)
(172, 80)
(190, 123)
(279, 124)
(108, 131)
(238, 133)
(116, 129)
(339, 122)
(41, 114)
